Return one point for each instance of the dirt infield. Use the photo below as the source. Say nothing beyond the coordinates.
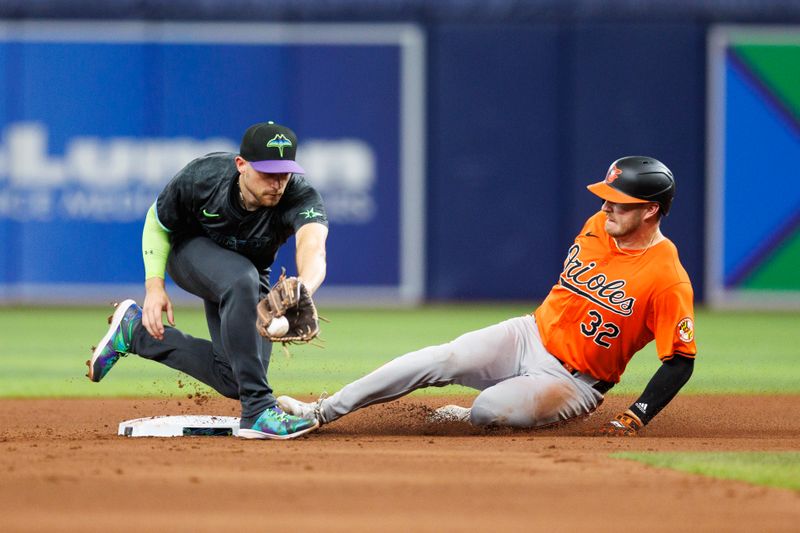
(62, 468)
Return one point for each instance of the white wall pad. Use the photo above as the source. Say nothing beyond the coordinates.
(180, 426)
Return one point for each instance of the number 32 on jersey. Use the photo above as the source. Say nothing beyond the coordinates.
(598, 330)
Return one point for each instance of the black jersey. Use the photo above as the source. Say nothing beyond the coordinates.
(203, 199)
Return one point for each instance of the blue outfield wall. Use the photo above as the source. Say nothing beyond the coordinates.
(526, 103)
(494, 182)
(93, 126)
(522, 118)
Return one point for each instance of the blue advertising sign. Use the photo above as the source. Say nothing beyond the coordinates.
(94, 123)
(754, 234)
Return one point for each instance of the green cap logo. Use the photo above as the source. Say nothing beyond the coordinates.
(280, 142)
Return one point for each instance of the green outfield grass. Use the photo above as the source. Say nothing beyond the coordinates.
(43, 350)
(773, 469)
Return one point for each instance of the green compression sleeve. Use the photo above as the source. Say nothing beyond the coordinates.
(155, 246)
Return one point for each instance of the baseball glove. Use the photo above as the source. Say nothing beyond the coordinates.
(288, 298)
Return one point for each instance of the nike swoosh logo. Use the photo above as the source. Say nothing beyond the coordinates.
(210, 215)
(590, 234)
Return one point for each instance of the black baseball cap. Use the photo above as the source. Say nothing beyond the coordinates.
(271, 148)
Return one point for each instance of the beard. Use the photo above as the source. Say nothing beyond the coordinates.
(622, 228)
(270, 200)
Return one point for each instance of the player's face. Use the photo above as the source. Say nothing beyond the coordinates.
(623, 219)
(266, 188)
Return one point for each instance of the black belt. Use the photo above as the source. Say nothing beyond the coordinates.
(599, 385)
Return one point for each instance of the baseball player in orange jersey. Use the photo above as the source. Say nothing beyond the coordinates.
(621, 287)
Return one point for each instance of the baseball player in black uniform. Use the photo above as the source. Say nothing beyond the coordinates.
(216, 228)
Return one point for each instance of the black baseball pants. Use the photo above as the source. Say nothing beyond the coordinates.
(235, 361)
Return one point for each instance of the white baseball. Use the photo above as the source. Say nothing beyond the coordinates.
(279, 326)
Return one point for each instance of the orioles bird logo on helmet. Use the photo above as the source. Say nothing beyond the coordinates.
(613, 173)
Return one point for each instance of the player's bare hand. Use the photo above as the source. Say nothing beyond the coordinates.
(625, 424)
(156, 302)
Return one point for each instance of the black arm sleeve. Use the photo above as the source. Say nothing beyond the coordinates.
(663, 386)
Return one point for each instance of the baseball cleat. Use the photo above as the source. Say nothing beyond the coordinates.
(275, 424)
(117, 341)
(450, 413)
(296, 407)
(309, 410)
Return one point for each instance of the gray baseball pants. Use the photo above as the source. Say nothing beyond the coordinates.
(521, 384)
(235, 361)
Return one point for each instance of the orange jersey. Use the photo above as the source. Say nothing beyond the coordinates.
(608, 304)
